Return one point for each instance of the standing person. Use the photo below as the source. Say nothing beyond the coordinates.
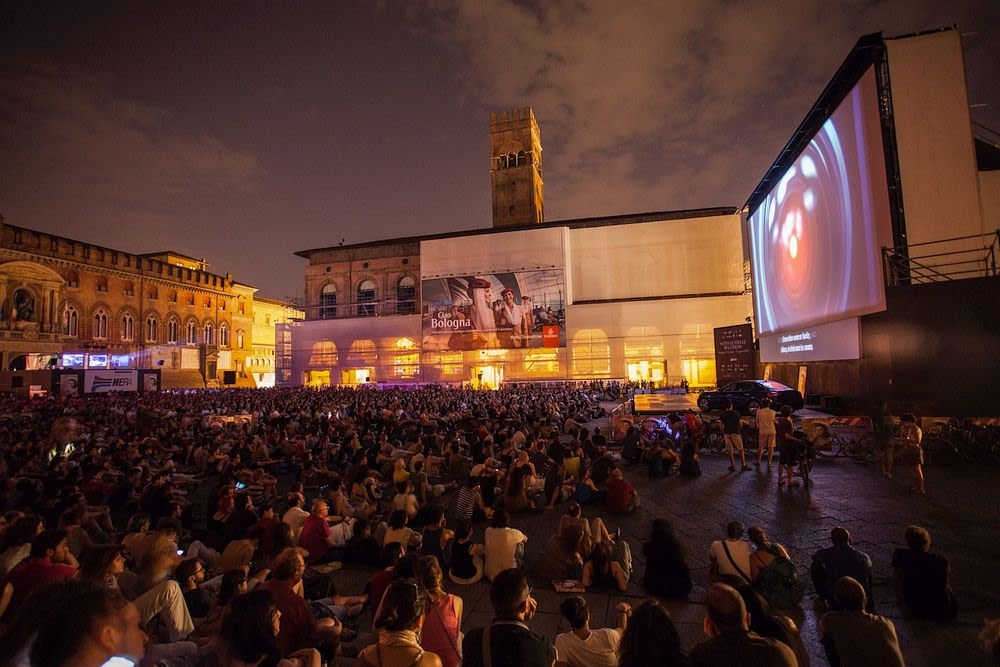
(651, 639)
(841, 560)
(508, 640)
(731, 433)
(502, 544)
(789, 447)
(730, 558)
(883, 425)
(853, 636)
(766, 432)
(399, 621)
(912, 436)
(730, 640)
(583, 646)
(442, 614)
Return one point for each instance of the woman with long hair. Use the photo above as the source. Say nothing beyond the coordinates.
(651, 639)
(772, 572)
(399, 620)
(442, 614)
(667, 574)
(766, 623)
(103, 564)
(249, 635)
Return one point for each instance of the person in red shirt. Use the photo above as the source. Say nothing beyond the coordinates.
(268, 524)
(622, 496)
(316, 537)
(299, 628)
(49, 560)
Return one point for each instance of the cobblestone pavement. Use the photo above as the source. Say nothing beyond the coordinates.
(960, 511)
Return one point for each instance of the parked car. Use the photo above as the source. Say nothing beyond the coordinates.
(747, 396)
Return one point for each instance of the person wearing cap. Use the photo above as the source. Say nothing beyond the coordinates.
(528, 321)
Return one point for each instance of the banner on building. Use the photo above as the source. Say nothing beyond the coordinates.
(101, 382)
(512, 310)
(734, 357)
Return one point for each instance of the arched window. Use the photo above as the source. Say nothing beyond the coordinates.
(521, 158)
(223, 303)
(100, 324)
(239, 339)
(406, 295)
(501, 161)
(328, 302)
(223, 335)
(71, 322)
(207, 303)
(152, 329)
(172, 330)
(366, 298)
(192, 333)
(72, 279)
(128, 327)
(242, 308)
(209, 334)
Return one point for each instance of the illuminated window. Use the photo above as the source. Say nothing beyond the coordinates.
(538, 362)
(363, 351)
(71, 322)
(100, 324)
(242, 308)
(591, 354)
(127, 327)
(406, 358)
(323, 354)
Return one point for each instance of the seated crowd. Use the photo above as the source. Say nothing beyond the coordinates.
(187, 528)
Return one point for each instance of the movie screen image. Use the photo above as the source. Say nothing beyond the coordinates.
(494, 311)
(97, 361)
(72, 360)
(816, 238)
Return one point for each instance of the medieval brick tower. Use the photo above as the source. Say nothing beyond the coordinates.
(516, 168)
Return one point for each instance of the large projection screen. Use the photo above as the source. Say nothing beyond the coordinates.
(816, 238)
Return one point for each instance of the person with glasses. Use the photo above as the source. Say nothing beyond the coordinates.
(399, 621)
(508, 640)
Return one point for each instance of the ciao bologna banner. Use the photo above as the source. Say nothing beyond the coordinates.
(523, 309)
(99, 382)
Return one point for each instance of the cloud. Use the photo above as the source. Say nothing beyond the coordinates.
(72, 144)
(650, 105)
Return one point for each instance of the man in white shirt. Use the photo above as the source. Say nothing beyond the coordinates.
(583, 647)
(296, 516)
(735, 563)
(501, 545)
(765, 432)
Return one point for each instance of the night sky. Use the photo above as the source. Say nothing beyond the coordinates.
(244, 131)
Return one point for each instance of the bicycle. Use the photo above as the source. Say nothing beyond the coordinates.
(939, 448)
(715, 441)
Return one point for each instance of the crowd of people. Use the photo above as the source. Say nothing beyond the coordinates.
(201, 528)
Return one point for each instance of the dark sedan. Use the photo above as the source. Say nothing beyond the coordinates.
(747, 396)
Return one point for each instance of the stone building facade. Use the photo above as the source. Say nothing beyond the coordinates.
(165, 310)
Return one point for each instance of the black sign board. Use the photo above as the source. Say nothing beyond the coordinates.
(734, 357)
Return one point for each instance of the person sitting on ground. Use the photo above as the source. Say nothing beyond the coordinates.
(391, 555)
(773, 572)
(399, 532)
(651, 639)
(923, 579)
(841, 560)
(610, 564)
(435, 538)
(727, 624)
(586, 647)
(363, 548)
(48, 560)
(190, 574)
(502, 545)
(508, 639)
(563, 556)
(406, 500)
(466, 556)
(768, 623)
(470, 504)
(852, 636)
(440, 633)
(399, 620)
(15, 545)
(299, 627)
(622, 497)
(316, 537)
(586, 491)
(248, 635)
(667, 574)
(295, 516)
(729, 559)
(515, 497)
(239, 554)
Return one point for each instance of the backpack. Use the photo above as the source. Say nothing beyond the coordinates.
(780, 584)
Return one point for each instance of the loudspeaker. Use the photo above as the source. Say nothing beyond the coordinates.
(16, 382)
(228, 377)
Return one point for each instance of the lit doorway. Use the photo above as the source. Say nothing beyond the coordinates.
(317, 379)
(487, 377)
(356, 376)
(699, 372)
(645, 371)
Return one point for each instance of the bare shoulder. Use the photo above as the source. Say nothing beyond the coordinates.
(430, 660)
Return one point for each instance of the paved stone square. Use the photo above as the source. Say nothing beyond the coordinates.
(960, 512)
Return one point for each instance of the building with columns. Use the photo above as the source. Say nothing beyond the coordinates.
(160, 310)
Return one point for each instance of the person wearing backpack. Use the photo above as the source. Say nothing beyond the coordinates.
(773, 573)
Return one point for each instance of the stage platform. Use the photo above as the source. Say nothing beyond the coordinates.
(662, 404)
